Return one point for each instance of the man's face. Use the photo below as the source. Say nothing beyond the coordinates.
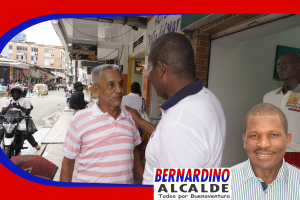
(265, 142)
(16, 95)
(109, 89)
(154, 77)
(287, 66)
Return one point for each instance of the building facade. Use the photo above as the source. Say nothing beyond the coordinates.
(38, 54)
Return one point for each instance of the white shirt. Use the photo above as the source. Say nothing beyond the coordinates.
(22, 101)
(191, 133)
(277, 98)
(134, 101)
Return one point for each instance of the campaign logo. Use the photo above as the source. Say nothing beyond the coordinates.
(192, 183)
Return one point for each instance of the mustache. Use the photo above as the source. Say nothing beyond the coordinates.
(117, 96)
(266, 150)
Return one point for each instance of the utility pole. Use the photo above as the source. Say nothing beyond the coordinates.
(76, 66)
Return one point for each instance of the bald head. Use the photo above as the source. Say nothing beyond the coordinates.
(293, 56)
(176, 51)
(266, 109)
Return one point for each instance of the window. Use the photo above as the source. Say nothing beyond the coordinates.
(20, 48)
(49, 51)
(10, 55)
(10, 47)
(49, 60)
(34, 49)
(33, 58)
(22, 58)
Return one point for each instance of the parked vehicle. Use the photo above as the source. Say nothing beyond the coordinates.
(41, 85)
(15, 132)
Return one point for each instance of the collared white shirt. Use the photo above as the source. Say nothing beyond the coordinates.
(134, 101)
(22, 101)
(191, 133)
(247, 186)
(277, 98)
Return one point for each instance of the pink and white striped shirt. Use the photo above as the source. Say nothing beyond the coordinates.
(104, 146)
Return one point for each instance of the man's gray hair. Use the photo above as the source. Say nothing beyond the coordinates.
(96, 72)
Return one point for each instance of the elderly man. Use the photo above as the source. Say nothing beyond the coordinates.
(265, 175)
(103, 137)
(191, 133)
(287, 99)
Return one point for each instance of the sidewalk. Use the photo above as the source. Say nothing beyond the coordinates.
(52, 144)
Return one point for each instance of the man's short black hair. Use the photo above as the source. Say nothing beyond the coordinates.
(175, 50)
(264, 109)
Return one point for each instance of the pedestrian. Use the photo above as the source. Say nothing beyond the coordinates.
(134, 100)
(90, 92)
(265, 175)
(20, 104)
(286, 98)
(191, 132)
(103, 137)
(77, 101)
(8, 87)
(69, 93)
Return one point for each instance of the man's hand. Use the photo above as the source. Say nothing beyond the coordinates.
(135, 114)
(19, 107)
(10, 106)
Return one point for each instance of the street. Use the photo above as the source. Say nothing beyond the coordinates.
(43, 107)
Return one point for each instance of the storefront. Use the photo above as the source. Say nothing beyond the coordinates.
(4, 73)
(157, 25)
(12, 70)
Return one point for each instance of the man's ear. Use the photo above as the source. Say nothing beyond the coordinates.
(162, 68)
(95, 90)
(244, 135)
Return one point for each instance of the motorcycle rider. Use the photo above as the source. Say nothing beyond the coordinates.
(16, 102)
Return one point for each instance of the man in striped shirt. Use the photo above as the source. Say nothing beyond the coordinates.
(103, 137)
(265, 175)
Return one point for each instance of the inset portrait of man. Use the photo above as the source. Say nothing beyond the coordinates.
(265, 175)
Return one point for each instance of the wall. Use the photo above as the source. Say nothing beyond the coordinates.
(240, 74)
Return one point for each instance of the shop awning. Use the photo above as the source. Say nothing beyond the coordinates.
(13, 63)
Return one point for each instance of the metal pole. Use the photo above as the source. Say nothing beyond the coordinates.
(76, 66)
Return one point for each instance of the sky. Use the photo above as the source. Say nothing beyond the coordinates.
(42, 33)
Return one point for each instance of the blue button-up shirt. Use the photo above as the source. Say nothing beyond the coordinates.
(247, 186)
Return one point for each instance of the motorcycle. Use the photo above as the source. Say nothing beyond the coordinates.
(15, 132)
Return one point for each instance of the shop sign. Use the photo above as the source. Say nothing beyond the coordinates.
(33, 73)
(84, 52)
(89, 70)
(160, 24)
(27, 72)
(59, 74)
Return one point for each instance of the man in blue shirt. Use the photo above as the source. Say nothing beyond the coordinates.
(265, 175)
